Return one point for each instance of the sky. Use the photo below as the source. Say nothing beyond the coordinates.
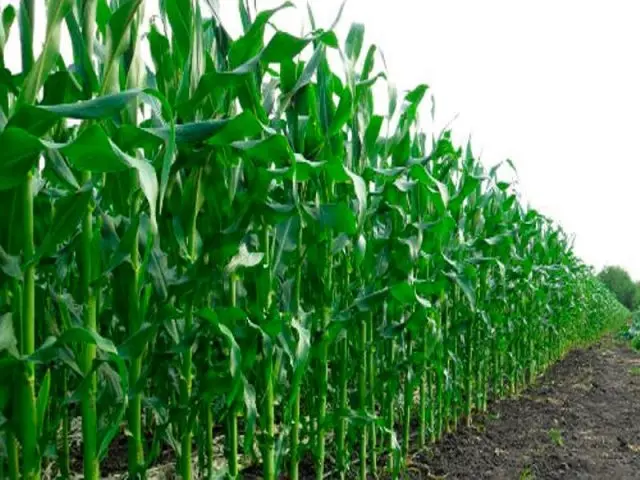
(553, 85)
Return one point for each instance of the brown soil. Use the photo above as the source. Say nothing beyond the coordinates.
(581, 421)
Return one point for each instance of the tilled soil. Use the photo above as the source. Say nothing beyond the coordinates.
(581, 421)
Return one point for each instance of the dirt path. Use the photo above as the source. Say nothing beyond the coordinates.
(582, 421)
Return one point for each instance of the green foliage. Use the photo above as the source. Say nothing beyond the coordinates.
(556, 437)
(620, 283)
(233, 241)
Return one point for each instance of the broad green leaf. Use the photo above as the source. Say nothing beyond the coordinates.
(179, 13)
(93, 151)
(20, 152)
(416, 95)
(404, 293)
(274, 148)
(68, 215)
(236, 128)
(283, 46)
(307, 73)
(367, 66)
(371, 134)
(355, 38)
(250, 44)
(338, 217)
(216, 132)
(80, 54)
(85, 336)
(32, 119)
(422, 175)
(55, 161)
(343, 113)
(135, 345)
(102, 107)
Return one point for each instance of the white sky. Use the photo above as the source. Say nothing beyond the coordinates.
(552, 84)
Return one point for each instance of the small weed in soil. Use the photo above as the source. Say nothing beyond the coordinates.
(556, 437)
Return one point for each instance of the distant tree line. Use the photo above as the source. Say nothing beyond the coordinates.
(618, 280)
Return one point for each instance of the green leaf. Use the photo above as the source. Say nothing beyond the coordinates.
(272, 149)
(404, 293)
(367, 66)
(226, 315)
(98, 108)
(133, 346)
(179, 13)
(80, 53)
(216, 132)
(422, 175)
(251, 409)
(283, 46)
(305, 77)
(42, 400)
(20, 152)
(466, 287)
(236, 128)
(337, 217)
(8, 341)
(56, 11)
(55, 161)
(10, 265)
(416, 95)
(235, 361)
(343, 113)
(8, 16)
(68, 214)
(372, 133)
(360, 188)
(304, 168)
(250, 44)
(85, 336)
(148, 183)
(123, 252)
(119, 36)
(33, 119)
(93, 151)
(354, 41)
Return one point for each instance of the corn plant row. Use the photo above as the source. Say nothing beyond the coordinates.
(229, 238)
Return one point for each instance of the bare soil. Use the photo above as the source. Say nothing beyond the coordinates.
(581, 421)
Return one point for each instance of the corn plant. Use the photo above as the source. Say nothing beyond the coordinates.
(226, 243)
